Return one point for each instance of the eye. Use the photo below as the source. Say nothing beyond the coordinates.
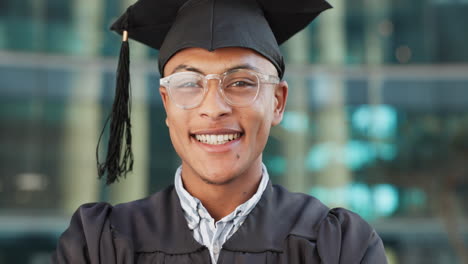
(188, 84)
(240, 83)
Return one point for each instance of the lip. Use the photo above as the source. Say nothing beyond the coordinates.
(228, 146)
(216, 131)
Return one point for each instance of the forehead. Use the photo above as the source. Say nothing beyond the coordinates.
(219, 60)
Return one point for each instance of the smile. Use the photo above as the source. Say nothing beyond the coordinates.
(217, 139)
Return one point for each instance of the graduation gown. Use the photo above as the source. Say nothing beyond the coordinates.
(284, 227)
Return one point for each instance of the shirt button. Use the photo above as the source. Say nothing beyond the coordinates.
(216, 249)
(200, 212)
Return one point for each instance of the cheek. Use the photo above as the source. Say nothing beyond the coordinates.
(178, 134)
(260, 118)
(178, 125)
(264, 108)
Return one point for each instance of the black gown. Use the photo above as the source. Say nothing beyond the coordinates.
(284, 227)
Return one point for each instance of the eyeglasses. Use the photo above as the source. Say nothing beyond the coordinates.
(238, 87)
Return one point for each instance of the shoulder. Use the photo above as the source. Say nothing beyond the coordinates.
(87, 221)
(95, 228)
(358, 241)
(340, 235)
(79, 243)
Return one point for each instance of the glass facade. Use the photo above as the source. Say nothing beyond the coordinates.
(377, 121)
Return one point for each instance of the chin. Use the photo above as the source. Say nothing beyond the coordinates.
(218, 177)
(217, 181)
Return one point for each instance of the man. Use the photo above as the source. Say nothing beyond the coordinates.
(222, 92)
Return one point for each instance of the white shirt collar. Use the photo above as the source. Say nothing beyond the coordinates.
(194, 209)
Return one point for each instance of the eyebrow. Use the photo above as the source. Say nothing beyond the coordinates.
(184, 67)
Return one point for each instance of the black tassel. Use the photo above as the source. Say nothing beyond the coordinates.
(119, 158)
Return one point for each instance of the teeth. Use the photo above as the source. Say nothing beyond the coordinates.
(217, 139)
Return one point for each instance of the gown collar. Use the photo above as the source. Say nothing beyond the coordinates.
(158, 223)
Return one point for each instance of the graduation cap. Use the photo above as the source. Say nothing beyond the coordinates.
(172, 25)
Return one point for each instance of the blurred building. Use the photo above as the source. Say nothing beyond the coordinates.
(377, 120)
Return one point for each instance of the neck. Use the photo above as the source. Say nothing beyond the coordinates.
(222, 199)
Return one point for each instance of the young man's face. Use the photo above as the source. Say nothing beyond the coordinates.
(222, 163)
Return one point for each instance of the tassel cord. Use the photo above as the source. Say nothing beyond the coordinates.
(116, 164)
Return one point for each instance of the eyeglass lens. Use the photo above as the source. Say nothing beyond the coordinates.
(239, 88)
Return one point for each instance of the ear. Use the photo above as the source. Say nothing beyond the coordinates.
(165, 100)
(164, 96)
(281, 96)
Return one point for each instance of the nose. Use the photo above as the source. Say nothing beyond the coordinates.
(213, 105)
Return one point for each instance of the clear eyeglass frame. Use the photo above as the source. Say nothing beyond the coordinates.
(261, 79)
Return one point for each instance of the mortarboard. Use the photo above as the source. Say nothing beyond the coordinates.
(172, 25)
